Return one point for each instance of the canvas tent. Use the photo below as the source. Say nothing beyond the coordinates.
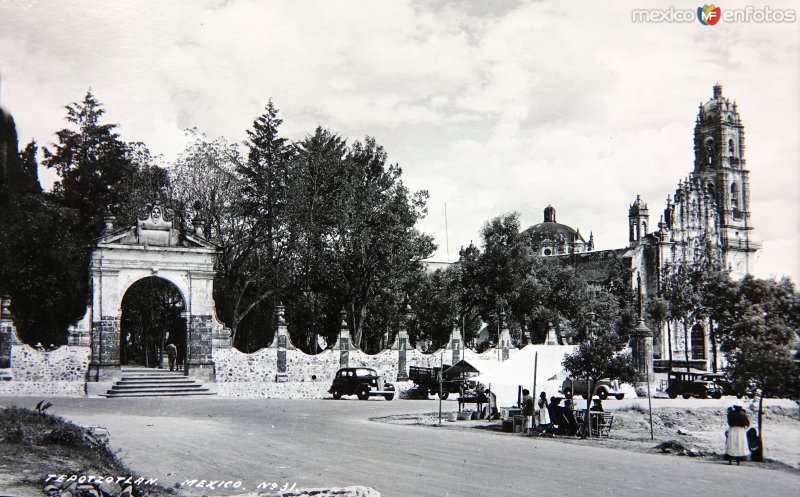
(505, 378)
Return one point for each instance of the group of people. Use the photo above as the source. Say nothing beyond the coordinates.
(543, 417)
(536, 415)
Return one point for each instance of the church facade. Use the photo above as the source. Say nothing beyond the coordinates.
(708, 215)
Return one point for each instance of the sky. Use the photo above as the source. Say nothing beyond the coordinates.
(491, 106)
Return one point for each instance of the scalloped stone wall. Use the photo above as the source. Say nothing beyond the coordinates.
(254, 375)
(60, 372)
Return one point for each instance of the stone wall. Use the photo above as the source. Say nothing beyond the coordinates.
(59, 372)
(309, 376)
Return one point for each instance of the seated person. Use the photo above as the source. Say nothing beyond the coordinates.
(597, 406)
(554, 408)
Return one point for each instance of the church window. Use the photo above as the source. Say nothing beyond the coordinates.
(730, 147)
(698, 342)
(710, 188)
(644, 229)
(710, 150)
(734, 198)
(547, 251)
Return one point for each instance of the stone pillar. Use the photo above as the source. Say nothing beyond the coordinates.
(642, 345)
(281, 342)
(402, 343)
(199, 362)
(7, 335)
(80, 335)
(456, 343)
(104, 365)
(504, 340)
(552, 338)
(344, 344)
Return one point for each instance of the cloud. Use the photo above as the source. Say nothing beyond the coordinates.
(491, 106)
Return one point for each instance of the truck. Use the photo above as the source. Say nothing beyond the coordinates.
(692, 384)
(426, 382)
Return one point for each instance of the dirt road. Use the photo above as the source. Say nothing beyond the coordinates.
(324, 442)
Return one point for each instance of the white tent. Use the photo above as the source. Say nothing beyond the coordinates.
(506, 377)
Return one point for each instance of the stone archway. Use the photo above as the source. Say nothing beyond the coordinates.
(154, 247)
(152, 317)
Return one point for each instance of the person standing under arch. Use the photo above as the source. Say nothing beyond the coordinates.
(172, 355)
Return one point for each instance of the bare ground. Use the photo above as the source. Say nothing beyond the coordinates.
(682, 431)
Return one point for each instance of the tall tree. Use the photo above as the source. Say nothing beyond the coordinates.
(42, 258)
(264, 252)
(92, 163)
(375, 242)
(759, 337)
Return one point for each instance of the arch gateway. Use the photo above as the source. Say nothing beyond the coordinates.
(91, 362)
(151, 248)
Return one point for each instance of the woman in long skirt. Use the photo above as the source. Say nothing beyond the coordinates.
(543, 417)
(736, 447)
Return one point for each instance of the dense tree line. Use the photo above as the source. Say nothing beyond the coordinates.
(318, 224)
(322, 225)
(534, 293)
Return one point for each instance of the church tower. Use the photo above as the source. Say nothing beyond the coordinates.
(720, 167)
(638, 219)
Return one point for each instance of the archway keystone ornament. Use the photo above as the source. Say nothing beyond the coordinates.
(152, 247)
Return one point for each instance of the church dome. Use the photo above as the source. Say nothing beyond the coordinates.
(638, 207)
(552, 238)
(718, 108)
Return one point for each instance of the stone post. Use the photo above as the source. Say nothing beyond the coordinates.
(345, 343)
(281, 342)
(7, 335)
(552, 338)
(456, 343)
(80, 335)
(199, 361)
(104, 365)
(642, 346)
(402, 343)
(504, 340)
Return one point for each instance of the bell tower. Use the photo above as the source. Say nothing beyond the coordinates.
(720, 167)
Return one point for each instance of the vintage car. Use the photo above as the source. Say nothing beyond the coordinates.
(692, 384)
(363, 382)
(727, 386)
(603, 388)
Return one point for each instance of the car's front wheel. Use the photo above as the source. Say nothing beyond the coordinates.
(567, 393)
(444, 395)
(603, 394)
(388, 396)
(686, 395)
(337, 394)
(363, 392)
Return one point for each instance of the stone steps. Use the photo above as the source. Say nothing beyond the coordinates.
(136, 382)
